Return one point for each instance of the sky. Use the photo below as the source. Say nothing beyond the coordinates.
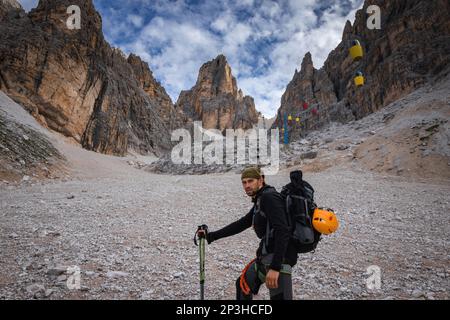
(264, 40)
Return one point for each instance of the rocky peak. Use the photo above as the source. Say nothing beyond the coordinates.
(9, 6)
(174, 118)
(53, 9)
(412, 47)
(347, 30)
(309, 90)
(216, 100)
(54, 15)
(307, 67)
(145, 77)
(216, 76)
(74, 82)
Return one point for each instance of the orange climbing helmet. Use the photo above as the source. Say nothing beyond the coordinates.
(325, 221)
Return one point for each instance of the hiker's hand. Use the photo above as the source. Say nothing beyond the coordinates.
(272, 279)
(201, 233)
(207, 235)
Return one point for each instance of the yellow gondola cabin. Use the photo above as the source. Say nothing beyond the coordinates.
(356, 51)
(359, 79)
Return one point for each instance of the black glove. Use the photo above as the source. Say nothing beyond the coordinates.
(202, 232)
(210, 237)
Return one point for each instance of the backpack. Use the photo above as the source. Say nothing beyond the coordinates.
(300, 206)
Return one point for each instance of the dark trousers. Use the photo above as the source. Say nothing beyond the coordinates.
(255, 277)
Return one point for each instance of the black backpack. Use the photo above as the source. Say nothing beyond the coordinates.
(300, 206)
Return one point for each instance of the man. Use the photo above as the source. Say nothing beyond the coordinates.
(275, 257)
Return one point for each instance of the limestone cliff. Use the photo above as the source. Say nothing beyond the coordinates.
(412, 46)
(216, 100)
(75, 83)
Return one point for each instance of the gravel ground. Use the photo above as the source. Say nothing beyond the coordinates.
(130, 235)
(129, 232)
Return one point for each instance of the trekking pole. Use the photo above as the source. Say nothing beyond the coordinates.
(201, 234)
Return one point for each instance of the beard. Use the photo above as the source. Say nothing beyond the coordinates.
(252, 193)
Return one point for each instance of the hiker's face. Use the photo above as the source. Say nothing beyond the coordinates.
(252, 186)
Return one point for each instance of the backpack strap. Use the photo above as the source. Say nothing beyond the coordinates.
(267, 236)
(266, 239)
(288, 215)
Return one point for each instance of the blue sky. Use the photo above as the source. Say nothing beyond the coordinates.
(263, 40)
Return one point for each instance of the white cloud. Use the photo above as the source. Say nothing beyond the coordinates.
(136, 20)
(235, 37)
(300, 34)
(184, 47)
(245, 3)
(264, 41)
(270, 8)
(223, 22)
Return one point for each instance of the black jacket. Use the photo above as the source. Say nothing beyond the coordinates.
(268, 204)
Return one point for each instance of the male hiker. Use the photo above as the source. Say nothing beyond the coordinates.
(274, 262)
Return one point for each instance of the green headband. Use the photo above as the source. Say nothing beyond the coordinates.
(251, 173)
